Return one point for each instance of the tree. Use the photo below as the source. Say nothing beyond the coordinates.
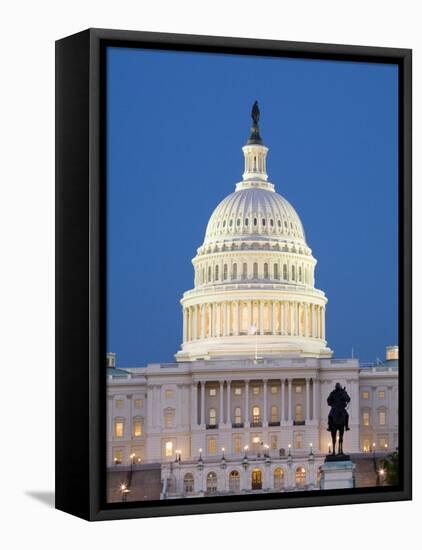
(392, 468)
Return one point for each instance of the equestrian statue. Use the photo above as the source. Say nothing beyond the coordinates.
(338, 419)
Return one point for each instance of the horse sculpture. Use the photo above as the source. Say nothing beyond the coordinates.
(338, 419)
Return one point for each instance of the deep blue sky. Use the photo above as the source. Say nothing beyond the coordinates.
(176, 125)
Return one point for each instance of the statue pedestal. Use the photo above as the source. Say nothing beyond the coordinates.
(337, 473)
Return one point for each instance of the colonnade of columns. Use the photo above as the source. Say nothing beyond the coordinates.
(234, 318)
(224, 415)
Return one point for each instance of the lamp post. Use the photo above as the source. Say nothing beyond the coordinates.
(124, 490)
(311, 452)
(132, 456)
(381, 473)
(290, 451)
(222, 454)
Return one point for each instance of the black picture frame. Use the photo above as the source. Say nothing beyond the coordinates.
(81, 275)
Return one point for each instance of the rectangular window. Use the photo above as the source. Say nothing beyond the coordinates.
(255, 390)
(212, 445)
(138, 403)
(274, 414)
(169, 393)
(169, 418)
(237, 444)
(169, 448)
(365, 418)
(298, 389)
(383, 442)
(120, 403)
(137, 428)
(382, 418)
(256, 443)
(238, 391)
(212, 392)
(119, 428)
(366, 446)
(117, 455)
(298, 440)
(381, 394)
(274, 389)
(273, 442)
(365, 395)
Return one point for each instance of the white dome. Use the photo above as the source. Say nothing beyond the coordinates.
(255, 214)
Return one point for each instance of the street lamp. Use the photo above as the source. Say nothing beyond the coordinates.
(124, 490)
(246, 451)
(290, 450)
(381, 476)
(222, 451)
(310, 449)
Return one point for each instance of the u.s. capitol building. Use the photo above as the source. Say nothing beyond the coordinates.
(244, 408)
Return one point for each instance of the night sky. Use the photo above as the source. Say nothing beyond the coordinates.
(176, 125)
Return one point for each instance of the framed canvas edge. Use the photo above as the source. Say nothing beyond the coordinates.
(94, 507)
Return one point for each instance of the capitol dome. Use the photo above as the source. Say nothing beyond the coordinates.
(254, 285)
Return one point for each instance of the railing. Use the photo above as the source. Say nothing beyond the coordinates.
(257, 424)
(237, 425)
(298, 422)
(211, 426)
(274, 423)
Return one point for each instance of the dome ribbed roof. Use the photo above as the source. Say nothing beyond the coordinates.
(255, 213)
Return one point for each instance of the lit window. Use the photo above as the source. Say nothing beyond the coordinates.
(256, 443)
(383, 442)
(365, 418)
(234, 481)
(238, 415)
(119, 428)
(256, 414)
(382, 418)
(365, 395)
(212, 445)
(212, 417)
(188, 483)
(274, 389)
(117, 455)
(169, 418)
(274, 413)
(366, 445)
(278, 478)
(169, 393)
(300, 477)
(212, 482)
(237, 444)
(298, 389)
(169, 448)
(298, 440)
(381, 394)
(238, 391)
(137, 427)
(255, 390)
(120, 403)
(138, 403)
(212, 392)
(273, 442)
(298, 413)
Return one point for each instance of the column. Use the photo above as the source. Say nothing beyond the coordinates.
(202, 403)
(273, 323)
(149, 406)
(265, 419)
(237, 324)
(221, 412)
(179, 420)
(194, 404)
(195, 322)
(203, 321)
(282, 403)
(308, 417)
(212, 320)
(285, 317)
(184, 325)
(250, 315)
(228, 414)
(297, 328)
(323, 323)
(246, 403)
(305, 320)
(225, 333)
(289, 401)
(261, 317)
(314, 399)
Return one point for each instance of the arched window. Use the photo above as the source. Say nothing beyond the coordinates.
(300, 274)
(255, 221)
(263, 222)
(209, 274)
(298, 413)
(246, 222)
(276, 274)
(188, 483)
(285, 272)
(265, 271)
(212, 482)
(255, 270)
(278, 478)
(216, 272)
(272, 222)
(256, 414)
(274, 413)
(238, 415)
(234, 481)
(238, 222)
(225, 272)
(212, 417)
(245, 271)
(234, 271)
(293, 273)
(300, 476)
